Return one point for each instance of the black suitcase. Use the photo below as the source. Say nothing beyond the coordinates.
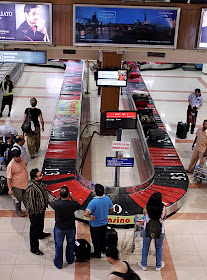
(182, 129)
(156, 134)
(148, 126)
(82, 250)
(111, 237)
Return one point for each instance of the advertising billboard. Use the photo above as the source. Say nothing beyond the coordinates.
(202, 36)
(26, 22)
(98, 25)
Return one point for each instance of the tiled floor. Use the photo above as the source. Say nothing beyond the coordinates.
(185, 248)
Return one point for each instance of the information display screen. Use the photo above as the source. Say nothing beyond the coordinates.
(120, 119)
(114, 78)
(202, 37)
(34, 57)
(26, 22)
(95, 25)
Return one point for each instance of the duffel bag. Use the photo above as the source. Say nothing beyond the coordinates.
(156, 134)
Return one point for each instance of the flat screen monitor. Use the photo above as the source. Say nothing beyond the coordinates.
(99, 25)
(202, 36)
(120, 119)
(33, 57)
(26, 23)
(113, 78)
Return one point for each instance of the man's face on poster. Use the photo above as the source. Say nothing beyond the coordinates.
(33, 16)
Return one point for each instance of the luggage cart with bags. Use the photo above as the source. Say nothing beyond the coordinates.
(200, 173)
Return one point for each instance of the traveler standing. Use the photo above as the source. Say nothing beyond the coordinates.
(97, 211)
(33, 137)
(195, 100)
(36, 205)
(154, 210)
(64, 207)
(7, 89)
(19, 142)
(17, 179)
(200, 150)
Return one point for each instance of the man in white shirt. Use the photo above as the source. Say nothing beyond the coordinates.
(195, 100)
(19, 142)
(8, 132)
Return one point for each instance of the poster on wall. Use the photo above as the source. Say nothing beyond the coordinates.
(97, 25)
(202, 37)
(26, 22)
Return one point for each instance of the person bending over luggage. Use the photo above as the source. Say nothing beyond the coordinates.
(120, 269)
(36, 205)
(65, 207)
(200, 150)
(9, 133)
(155, 213)
(195, 100)
(97, 211)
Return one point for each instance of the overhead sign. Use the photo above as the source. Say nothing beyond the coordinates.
(120, 146)
(121, 119)
(119, 162)
(34, 57)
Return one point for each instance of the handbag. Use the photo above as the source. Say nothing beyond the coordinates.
(26, 126)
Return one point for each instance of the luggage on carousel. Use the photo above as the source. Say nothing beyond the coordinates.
(111, 237)
(146, 116)
(156, 134)
(147, 126)
(182, 129)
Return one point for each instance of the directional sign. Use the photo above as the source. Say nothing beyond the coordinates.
(119, 162)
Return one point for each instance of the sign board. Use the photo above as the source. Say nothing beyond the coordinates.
(120, 146)
(121, 119)
(119, 162)
(34, 57)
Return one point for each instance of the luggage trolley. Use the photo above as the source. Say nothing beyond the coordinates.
(200, 173)
(138, 227)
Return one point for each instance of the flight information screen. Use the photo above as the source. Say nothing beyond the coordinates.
(120, 119)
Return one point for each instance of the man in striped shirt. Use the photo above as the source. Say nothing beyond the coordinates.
(195, 100)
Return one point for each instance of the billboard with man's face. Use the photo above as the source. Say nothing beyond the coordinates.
(26, 22)
(98, 25)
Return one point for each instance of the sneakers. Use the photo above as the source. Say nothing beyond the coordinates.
(142, 267)
(44, 235)
(38, 253)
(159, 268)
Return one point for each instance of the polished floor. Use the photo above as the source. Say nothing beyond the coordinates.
(185, 245)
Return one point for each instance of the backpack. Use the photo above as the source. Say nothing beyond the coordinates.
(3, 185)
(82, 250)
(153, 229)
(130, 275)
(8, 155)
(26, 126)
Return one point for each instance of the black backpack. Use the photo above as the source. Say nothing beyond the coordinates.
(3, 185)
(7, 155)
(82, 250)
(153, 229)
(130, 275)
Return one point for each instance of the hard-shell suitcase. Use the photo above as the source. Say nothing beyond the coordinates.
(182, 129)
(111, 237)
(141, 103)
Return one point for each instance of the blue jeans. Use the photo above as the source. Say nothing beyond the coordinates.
(59, 236)
(145, 249)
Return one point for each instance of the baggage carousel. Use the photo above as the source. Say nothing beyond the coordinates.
(167, 174)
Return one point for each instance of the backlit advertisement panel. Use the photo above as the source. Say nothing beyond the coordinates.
(202, 37)
(96, 25)
(26, 22)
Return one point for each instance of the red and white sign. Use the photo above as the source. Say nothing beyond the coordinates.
(120, 146)
(121, 115)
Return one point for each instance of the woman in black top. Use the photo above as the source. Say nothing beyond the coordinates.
(33, 137)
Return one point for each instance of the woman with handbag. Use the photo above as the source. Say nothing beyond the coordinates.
(33, 136)
(155, 213)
